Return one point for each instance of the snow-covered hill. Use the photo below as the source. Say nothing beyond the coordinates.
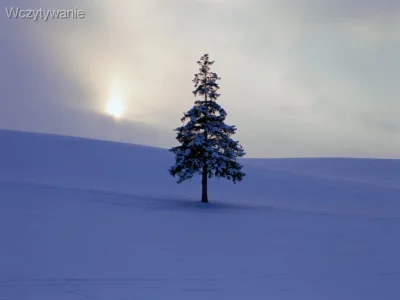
(89, 219)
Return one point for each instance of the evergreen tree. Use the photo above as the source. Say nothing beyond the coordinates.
(206, 147)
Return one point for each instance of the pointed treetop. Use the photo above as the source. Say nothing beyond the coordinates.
(205, 81)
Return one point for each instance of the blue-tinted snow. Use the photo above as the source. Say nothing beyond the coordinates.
(86, 219)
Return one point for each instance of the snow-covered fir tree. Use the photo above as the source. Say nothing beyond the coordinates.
(206, 145)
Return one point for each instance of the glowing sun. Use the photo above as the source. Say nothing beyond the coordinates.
(115, 108)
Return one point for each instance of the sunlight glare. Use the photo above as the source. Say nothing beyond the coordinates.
(114, 108)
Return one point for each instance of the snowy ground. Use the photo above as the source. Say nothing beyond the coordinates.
(85, 219)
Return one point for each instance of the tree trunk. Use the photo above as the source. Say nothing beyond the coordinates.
(204, 195)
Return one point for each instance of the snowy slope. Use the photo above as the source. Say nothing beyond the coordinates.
(87, 219)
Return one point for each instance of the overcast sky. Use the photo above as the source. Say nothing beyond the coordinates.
(299, 78)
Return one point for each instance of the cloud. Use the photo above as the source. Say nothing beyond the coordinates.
(298, 78)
